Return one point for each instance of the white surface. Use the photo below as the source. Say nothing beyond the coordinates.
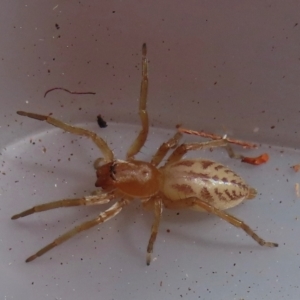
(201, 256)
(249, 48)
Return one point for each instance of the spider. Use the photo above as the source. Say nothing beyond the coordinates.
(198, 184)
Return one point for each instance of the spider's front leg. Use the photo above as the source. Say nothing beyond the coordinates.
(100, 143)
(141, 138)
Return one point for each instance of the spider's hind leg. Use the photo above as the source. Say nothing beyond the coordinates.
(181, 150)
(198, 203)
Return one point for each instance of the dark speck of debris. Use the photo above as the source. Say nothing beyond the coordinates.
(101, 122)
(272, 127)
(113, 11)
(295, 24)
(57, 26)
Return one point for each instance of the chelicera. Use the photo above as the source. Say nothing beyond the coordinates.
(198, 184)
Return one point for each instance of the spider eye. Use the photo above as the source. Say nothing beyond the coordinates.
(112, 171)
(105, 176)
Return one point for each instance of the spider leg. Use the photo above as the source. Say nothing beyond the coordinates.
(184, 148)
(103, 217)
(164, 148)
(88, 200)
(100, 143)
(142, 136)
(231, 153)
(157, 213)
(198, 203)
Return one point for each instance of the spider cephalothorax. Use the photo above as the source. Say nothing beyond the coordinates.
(133, 178)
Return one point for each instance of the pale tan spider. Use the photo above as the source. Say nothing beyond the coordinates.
(180, 183)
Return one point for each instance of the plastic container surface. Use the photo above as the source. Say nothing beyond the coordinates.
(216, 66)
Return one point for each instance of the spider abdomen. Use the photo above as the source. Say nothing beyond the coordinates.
(207, 180)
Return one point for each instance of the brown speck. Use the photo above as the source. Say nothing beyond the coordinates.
(185, 188)
(229, 172)
(230, 196)
(205, 195)
(272, 127)
(295, 24)
(195, 175)
(206, 163)
(220, 195)
(57, 26)
(187, 163)
(218, 167)
(168, 230)
(215, 178)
